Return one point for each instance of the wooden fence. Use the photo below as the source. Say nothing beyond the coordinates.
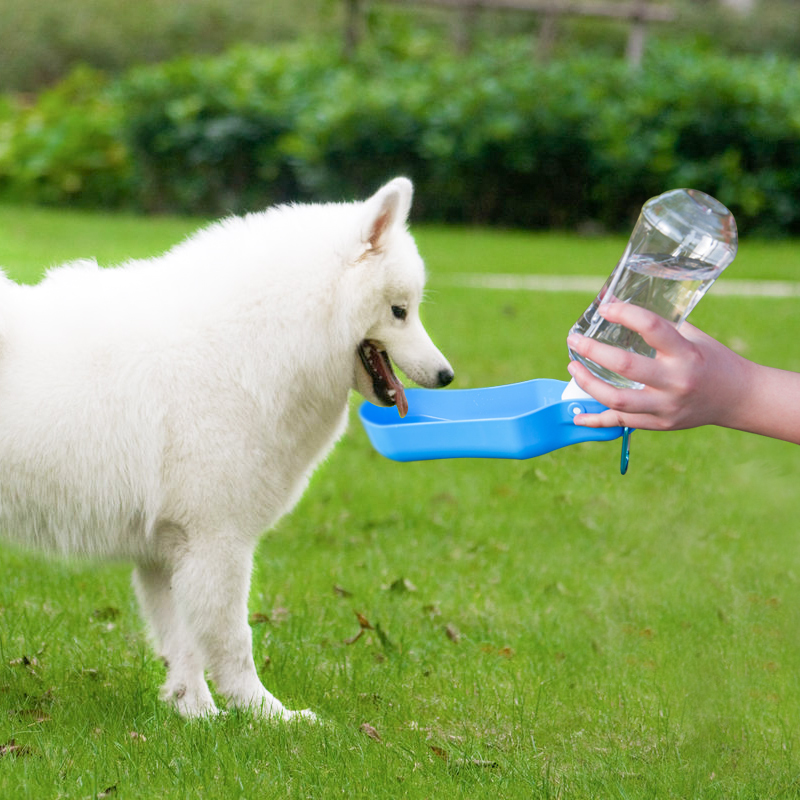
(640, 13)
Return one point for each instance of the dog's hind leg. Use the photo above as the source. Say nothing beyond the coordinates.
(186, 686)
(212, 582)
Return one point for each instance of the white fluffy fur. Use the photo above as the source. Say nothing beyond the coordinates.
(170, 410)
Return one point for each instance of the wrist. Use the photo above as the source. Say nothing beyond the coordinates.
(744, 384)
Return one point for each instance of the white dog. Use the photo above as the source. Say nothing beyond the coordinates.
(170, 410)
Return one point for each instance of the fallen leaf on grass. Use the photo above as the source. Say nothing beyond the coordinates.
(440, 752)
(402, 585)
(29, 662)
(11, 748)
(364, 622)
(23, 661)
(363, 625)
(505, 652)
(108, 791)
(370, 731)
(453, 633)
(259, 618)
(137, 737)
(105, 614)
(340, 591)
(35, 714)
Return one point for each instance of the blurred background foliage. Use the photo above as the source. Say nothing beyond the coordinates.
(40, 42)
(215, 106)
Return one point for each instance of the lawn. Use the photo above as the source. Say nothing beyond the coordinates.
(538, 629)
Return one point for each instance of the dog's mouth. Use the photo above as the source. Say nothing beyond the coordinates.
(385, 383)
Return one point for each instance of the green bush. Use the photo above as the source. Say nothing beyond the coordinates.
(728, 126)
(68, 147)
(204, 134)
(494, 138)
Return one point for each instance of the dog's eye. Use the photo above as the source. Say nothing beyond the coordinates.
(399, 312)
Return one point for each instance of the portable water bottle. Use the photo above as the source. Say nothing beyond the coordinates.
(682, 241)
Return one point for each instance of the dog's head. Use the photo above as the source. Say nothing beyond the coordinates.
(390, 267)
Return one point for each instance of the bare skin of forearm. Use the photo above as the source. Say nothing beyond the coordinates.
(770, 405)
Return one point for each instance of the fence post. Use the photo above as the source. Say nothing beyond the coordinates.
(546, 37)
(464, 28)
(352, 27)
(636, 38)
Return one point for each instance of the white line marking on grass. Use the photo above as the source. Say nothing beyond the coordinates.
(757, 288)
(593, 284)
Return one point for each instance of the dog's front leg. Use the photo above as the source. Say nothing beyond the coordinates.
(211, 584)
(186, 686)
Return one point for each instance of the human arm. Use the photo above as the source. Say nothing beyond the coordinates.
(693, 380)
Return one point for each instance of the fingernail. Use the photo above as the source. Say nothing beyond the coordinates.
(573, 339)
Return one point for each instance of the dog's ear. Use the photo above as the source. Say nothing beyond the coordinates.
(387, 208)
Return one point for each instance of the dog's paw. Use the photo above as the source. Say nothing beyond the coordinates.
(192, 704)
(306, 714)
(279, 713)
(197, 710)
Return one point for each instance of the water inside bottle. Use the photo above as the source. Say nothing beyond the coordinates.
(669, 285)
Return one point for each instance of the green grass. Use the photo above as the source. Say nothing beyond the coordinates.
(542, 629)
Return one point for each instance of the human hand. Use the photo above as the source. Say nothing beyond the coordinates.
(692, 380)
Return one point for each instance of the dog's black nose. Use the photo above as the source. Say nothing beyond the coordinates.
(445, 376)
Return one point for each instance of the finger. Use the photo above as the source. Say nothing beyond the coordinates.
(633, 366)
(632, 408)
(614, 419)
(606, 419)
(660, 334)
(629, 401)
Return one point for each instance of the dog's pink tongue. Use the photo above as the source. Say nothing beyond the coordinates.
(400, 394)
(377, 362)
(395, 389)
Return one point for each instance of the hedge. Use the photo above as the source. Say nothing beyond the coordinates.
(495, 138)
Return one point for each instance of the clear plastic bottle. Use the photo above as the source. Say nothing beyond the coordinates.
(682, 241)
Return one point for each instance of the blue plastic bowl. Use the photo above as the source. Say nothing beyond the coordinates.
(520, 420)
